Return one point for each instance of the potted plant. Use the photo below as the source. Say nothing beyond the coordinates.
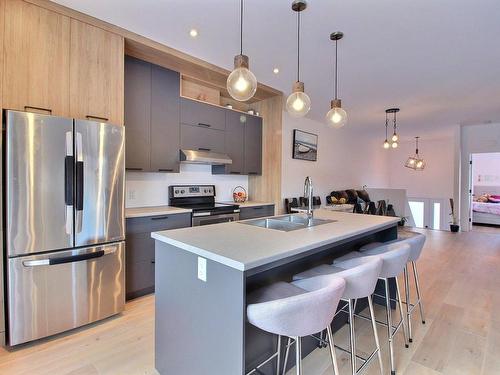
(454, 227)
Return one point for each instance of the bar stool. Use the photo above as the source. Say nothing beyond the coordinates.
(416, 241)
(360, 275)
(284, 309)
(394, 258)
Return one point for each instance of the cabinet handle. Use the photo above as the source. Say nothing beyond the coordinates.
(235, 172)
(153, 261)
(133, 169)
(205, 125)
(27, 107)
(165, 170)
(90, 117)
(253, 173)
(204, 149)
(258, 208)
(159, 218)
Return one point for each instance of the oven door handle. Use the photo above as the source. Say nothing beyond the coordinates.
(200, 214)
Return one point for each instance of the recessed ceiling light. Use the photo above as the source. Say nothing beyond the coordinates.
(193, 33)
(276, 70)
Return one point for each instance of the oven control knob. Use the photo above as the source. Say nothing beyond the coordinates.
(177, 192)
(182, 191)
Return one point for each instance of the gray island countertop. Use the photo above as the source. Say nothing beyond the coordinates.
(244, 247)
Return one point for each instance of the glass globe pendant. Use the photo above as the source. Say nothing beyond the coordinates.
(336, 116)
(241, 83)
(298, 102)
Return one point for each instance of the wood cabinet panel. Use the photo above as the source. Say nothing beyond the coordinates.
(253, 145)
(165, 127)
(96, 73)
(137, 114)
(36, 59)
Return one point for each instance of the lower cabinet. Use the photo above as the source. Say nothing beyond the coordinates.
(140, 250)
(256, 212)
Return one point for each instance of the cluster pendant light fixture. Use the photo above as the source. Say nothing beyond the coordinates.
(336, 116)
(395, 137)
(241, 83)
(298, 103)
(415, 162)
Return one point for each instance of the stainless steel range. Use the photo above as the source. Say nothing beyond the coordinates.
(201, 200)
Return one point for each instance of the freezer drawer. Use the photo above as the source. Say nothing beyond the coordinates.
(58, 291)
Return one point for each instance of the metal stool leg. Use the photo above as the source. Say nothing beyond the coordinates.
(407, 298)
(419, 297)
(389, 325)
(332, 350)
(375, 333)
(400, 304)
(278, 358)
(288, 343)
(298, 355)
(352, 336)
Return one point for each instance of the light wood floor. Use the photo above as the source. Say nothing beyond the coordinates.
(460, 279)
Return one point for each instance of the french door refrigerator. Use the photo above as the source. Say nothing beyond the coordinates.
(63, 182)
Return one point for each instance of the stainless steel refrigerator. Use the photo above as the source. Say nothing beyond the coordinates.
(63, 182)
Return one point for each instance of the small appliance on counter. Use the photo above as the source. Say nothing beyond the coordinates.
(201, 200)
(64, 228)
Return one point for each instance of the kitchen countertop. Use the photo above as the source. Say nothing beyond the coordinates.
(153, 211)
(244, 247)
(250, 204)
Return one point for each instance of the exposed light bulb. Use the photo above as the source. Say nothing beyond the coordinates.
(395, 137)
(419, 164)
(394, 144)
(336, 117)
(193, 33)
(276, 70)
(386, 144)
(241, 83)
(411, 161)
(298, 103)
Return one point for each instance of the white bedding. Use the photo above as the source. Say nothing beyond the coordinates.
(487, 208)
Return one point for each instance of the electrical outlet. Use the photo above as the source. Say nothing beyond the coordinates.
(202, 269)
(131, 195)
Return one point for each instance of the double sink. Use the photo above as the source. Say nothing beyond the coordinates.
(287, 223)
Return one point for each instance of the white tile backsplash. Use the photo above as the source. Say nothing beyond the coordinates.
(151, 189)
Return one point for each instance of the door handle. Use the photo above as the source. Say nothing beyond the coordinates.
(70, 259)
(159, 218)
(69, 175)
(204, 125)
(204, 149)
(48, 110)
(90, 117)
(165, 170)
(133, 169)
(79, 182)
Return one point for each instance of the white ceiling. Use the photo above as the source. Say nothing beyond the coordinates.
(437, 60)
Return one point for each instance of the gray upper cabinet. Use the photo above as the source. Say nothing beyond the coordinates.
(152, 107)
(253, 145)
(235, 141)
(165, 132)
(202, 139)
(202, 115)
(137, 114)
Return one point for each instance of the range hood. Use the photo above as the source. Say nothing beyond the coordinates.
(204, 157)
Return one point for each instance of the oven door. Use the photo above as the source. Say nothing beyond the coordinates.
(214, 219)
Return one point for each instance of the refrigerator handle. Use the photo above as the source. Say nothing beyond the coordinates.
(69, 175)
(69, 259)
(79, 199)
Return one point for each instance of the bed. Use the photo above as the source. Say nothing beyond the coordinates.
(486, 212)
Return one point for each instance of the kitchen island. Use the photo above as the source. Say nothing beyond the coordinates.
(203, 275)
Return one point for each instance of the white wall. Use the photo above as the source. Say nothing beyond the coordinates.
(436, 180)
(151, 189)
(486, 169)
(346, 159)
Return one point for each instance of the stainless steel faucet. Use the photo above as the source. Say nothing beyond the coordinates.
(308, 194)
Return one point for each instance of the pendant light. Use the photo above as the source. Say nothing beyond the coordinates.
(241, 83)
(415, 162)
(336, 116)
(298, 103)
(395, 136)
(387, 145)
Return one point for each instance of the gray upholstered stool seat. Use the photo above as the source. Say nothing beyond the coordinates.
(416, 241)
(394, 256)
(287, 310)
(361, 275)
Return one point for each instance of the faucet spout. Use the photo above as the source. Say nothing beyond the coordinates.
(308, 194)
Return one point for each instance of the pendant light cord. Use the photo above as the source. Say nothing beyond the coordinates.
(298, 46)
(395, 123)
(241, 27)
(335, 73)
(386, 125)
(416, 150)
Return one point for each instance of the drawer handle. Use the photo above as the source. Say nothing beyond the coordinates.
(48, 110)
(204, 125)
(133, 169)
(159, 218)
(235, 172)
(253, 173)
(90, 117)
(204, 149)
(258, 208)
(153, 261)
(165, 170)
